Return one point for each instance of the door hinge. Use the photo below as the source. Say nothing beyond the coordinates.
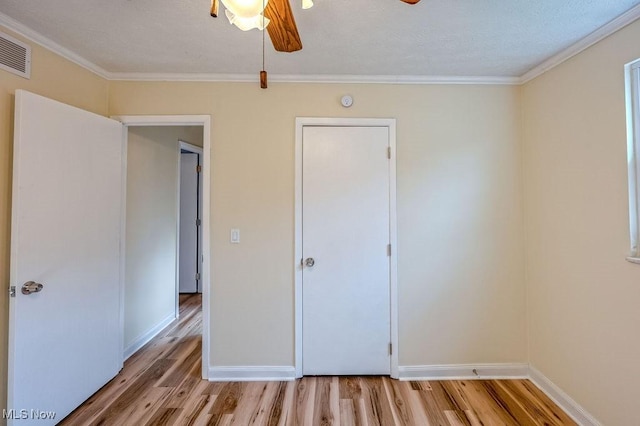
(12, 291)
(390, 349)
(198, 222)
(198, 168)
(389, 153)
(388, 249)
(197, 276)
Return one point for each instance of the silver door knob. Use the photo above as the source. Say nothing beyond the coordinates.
(309, 262)
(31, 287)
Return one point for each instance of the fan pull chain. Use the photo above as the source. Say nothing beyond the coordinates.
(263, 73)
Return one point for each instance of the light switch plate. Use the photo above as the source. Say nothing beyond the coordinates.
(235, 236)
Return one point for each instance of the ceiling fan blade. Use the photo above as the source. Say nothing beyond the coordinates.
(411, 1)
(282, 28)
(214, 8)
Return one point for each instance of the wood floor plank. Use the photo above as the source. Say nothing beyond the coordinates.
(377, 406)
(196, 411)
(276, 409)
(536, 402)
(183, 366)
(446, 403)
(254, 396)
(323, 415)
(509, 403)
(305, 393)
(144, 408)
(484, 406)
(288, 405)
(397, 394)
(164, 417)
(161, 385)
(186, 389)
(226, 402)
(450, 387)
(347, 412)
(350, 387)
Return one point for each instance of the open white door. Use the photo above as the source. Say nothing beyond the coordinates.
(65, 340)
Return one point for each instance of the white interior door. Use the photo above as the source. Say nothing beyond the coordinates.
(189, 243)
(345, 228)
(65, 341)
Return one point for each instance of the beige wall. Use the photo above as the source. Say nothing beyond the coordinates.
(461, 277)
(151, 237)
(58, 79)
(583, 296)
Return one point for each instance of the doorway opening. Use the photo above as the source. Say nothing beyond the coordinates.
(152, 251)
(190, 218)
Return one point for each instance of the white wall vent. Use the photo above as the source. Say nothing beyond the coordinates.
(15, 56)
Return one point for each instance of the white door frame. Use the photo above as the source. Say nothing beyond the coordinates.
(390, 123)
(184, 145)
(180, 120)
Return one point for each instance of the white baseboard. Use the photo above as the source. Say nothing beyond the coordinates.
(142, 340)
(564, 401)
(251, 373)
(463, 371)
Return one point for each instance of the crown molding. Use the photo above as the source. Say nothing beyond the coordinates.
(47, 43)
(395, 79)
(319, 78)
(601, 33)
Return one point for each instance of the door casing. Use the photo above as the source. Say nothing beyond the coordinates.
(181, 120)
(390, 123)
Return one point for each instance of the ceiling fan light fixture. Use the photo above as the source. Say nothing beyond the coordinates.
(246, 24)
(307, 4)
(245, 8)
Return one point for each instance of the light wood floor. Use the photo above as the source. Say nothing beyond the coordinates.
(161, 385)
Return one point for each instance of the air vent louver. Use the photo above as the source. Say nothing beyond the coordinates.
(15, 56)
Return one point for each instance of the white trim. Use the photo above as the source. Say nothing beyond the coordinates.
(297, 252)
(600, 34)
(163, 120)
(189, 147)
(464, 371)
(51, 45)
(206, 246)
(145, 338)
(13, 247)
(390, 123)
(393, 259)
(123, 237)
(564, 401)
(251, 373)
(319, 78)
(205, 121)
(632, 101)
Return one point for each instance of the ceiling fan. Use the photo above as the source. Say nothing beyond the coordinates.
(277, 14)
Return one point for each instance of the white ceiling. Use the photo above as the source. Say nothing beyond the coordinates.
(499, 38)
